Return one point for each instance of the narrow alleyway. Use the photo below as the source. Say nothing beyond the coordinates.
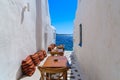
(73, 73)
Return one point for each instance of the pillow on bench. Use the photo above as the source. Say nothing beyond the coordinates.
(29, 64)
(35, 58)
(51, 46)
(41, 55)
(30, 71)
(28, 67)
(44, 53)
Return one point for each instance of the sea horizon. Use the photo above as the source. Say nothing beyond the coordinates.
(66, 40)
(63, 34)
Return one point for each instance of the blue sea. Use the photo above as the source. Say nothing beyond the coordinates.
(66, 40)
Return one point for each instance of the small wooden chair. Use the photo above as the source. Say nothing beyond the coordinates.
(61, 47)
(53, 53)
(47, 72)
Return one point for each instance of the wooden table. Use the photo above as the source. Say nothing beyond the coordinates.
(62, 62)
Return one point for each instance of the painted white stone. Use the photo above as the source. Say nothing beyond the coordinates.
(99, 57)
(22, 29)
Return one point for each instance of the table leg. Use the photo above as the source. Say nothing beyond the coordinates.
(65, 76)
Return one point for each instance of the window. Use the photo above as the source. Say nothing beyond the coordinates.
(80, 30)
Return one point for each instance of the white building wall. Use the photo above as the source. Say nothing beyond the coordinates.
(17, 36)
(52, 35)
(99, 57)
(22, 24)
(51, 31)
(46, 28)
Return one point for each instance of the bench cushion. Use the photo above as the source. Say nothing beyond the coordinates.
(28, 67)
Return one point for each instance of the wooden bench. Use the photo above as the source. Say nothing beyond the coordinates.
(30, 63)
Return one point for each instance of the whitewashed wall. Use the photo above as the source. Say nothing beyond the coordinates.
(45, 29)
(17, 36)
(21, 33)
(52, 35)
(99, 57)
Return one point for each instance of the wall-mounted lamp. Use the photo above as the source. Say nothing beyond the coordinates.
(27, 7)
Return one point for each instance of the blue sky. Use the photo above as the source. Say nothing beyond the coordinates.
(62, 13)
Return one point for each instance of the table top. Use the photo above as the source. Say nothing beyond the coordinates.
(61, 61)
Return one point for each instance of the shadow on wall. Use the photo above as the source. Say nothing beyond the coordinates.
(23, 11)
(38, 25)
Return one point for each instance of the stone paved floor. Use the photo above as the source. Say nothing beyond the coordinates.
(73, 73)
